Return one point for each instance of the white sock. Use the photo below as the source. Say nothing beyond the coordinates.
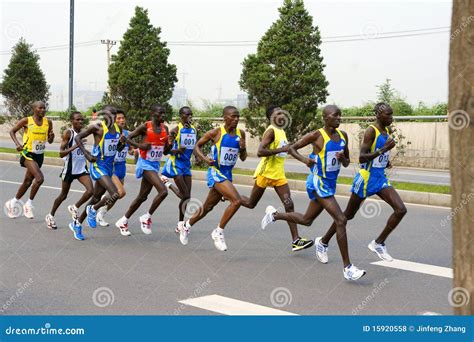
(124, 219)
(187, 225)
(147, 216)
(219, 230)
(29, 202)
(14, 201)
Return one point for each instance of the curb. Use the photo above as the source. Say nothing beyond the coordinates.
(414, 197)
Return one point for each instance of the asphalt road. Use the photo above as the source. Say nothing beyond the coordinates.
(150, 274)
(401, 174)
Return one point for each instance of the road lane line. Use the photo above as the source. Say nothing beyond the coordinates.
(42, 186)
(439, 271)
(233, 307)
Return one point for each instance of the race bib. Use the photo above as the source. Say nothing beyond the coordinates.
(122, 155)
(110, 147)
(228, 156)
(382, 160)
(155, 153)
(78, 154)
(38, 146)
(283, 143)
(332, 164)
(188, 140)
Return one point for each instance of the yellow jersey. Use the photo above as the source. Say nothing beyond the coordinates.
(35, 137)
(273, 167)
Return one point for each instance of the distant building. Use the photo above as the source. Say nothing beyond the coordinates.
(242, 101)
(84, 99)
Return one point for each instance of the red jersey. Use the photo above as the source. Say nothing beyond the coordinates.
(157, 141)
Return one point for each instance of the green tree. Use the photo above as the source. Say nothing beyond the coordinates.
(286, 70)
(140, 75)
(386, 92)
(23, 81)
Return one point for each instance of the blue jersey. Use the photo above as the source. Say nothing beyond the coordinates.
(105, 152)
(226, 151)
(186, 137)
(377, 166)
(327, 165)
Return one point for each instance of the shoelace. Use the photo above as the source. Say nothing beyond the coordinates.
(321, 248)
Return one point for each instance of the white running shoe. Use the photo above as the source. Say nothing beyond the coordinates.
(183, 233)
(268, 218)
(145, 224)
(50, 222)
(381, 250)
(73, 211)
(100, 217)
(351, 272)
(28, 210)
(12, 208)
(321, 250)
(165, 181)
(122, 224)
(219, 240)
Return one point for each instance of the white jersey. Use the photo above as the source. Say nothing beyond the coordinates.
(75, 161)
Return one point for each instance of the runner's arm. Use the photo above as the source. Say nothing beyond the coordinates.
(92, 129)
(208, 136)
(343, 156)
(139, 131)
(242, 146)
(63, 151)
(50, 132)
(268, 138)
(309, 138)
(19, 125)
(369, 137)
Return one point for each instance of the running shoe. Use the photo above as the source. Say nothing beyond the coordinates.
(219, 240)
(12, 208)
(145, 224)
(321, 250)
(183, 233)
(268, 218)
(380, 250)
(100, 217)
(76, 228)
(50, 222)
(73, 211)
(122, 224)
(28, 210)
(301, 243)
(351, 272)
(91, 216)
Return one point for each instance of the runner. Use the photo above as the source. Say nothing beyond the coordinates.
(154, 145)
(329, 152)
(371, 180)
(75, 167)
(36, 131)
(119, 169)
(228, 143)
(106, 144)
(178, 164)
(273, 150)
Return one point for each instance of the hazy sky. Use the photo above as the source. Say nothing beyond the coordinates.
(418, 65)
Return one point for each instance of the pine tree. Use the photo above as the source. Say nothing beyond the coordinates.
(140, 75)
(23, 81)
(287, 70)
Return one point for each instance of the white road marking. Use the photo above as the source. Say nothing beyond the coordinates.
(229, 306)
(42, 186)
(439, 271)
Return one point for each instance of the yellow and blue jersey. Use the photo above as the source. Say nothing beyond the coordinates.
(105, 152)
(120, 167)
(180, 164)
(371, 177)
(324, 173)
(224, 153)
